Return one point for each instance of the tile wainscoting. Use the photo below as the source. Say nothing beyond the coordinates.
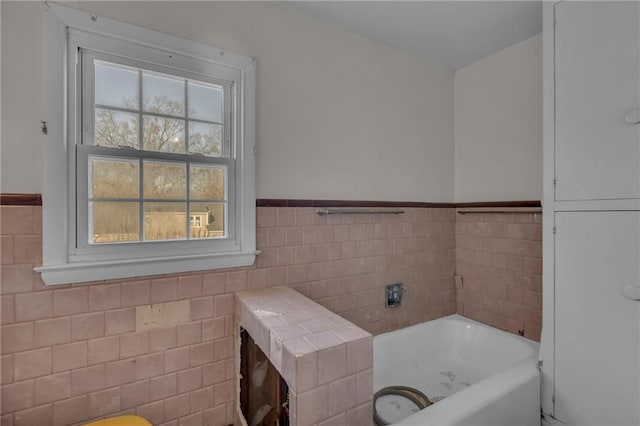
(499, 258)
(74, 353)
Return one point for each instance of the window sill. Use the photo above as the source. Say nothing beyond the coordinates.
(71, 273)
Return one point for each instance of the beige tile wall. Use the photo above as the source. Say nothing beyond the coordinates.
(73, 353)
(344, 261)
(499, 257)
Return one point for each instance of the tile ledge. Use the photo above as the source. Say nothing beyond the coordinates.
(273, 318)
(281, 307)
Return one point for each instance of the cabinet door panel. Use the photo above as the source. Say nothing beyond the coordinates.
(597, 336)
(597, 83)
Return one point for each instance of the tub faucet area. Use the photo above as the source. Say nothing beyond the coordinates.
(394, 295)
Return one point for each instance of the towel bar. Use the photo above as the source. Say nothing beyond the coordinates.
(327, 211)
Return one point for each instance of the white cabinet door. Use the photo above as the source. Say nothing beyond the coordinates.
(597, 86)
(597, 328)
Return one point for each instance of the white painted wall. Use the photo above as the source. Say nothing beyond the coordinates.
(21, 57)
(339, 116)
(498, 126)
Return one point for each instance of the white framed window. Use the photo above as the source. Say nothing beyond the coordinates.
(149, 155)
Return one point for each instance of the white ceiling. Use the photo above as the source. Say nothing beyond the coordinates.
(453, 33)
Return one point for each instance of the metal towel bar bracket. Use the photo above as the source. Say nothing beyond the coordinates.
(328, 211)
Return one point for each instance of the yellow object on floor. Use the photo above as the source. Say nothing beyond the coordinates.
(121, 421)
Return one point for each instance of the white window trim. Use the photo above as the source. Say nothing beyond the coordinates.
(59, 266)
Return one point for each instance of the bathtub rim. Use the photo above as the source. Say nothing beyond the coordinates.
(532, 344)
(475, 397)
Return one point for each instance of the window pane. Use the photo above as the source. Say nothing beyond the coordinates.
(116, 128)
(205, 102)
(116, 85)
(165, 221)
(205, 138)
(206, 220)
(114, 178)
(163, 94)
(206, 183)
(113, 222)
(163, 134)
(165, 181)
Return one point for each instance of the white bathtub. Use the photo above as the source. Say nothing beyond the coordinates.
(486, 376)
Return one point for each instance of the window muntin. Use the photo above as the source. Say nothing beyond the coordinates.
(178, 114)
(127, 192)
(155, 156)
